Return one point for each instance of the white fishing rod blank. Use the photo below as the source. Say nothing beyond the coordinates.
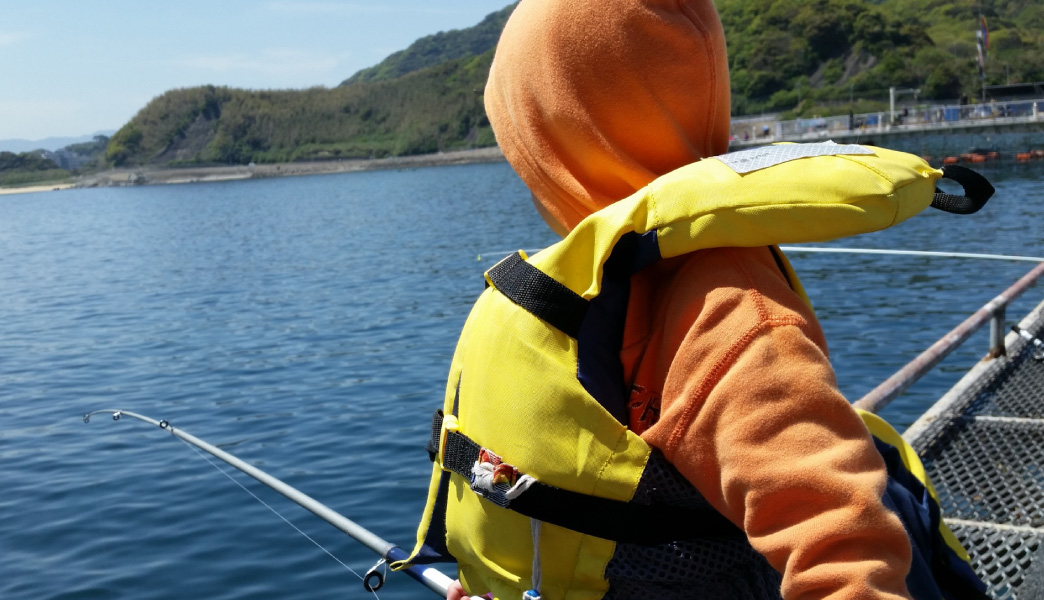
(432, 578)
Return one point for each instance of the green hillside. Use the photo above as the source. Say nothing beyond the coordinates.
(425, 99)
(39, 166)
(799, 57)
(438, 108)
(28, 167)
(439, 48)
(829, 56)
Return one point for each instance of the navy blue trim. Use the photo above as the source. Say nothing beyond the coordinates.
(601, 333)
(777, 256)
(937, 571)
(434, 548)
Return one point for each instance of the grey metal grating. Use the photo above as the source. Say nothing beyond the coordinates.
(1004, 559)
(990, 471)
(1011, 386)
(984, 454)
(1016, 389)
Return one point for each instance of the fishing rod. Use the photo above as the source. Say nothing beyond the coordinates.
(432, 578)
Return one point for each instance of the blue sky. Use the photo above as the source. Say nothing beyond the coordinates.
(70, 68)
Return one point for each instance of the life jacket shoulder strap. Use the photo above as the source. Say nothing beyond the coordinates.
(539, 293)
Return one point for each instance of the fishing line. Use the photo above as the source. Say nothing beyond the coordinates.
(502, 253)
(912, 253)
(431, 578)
(276, 512)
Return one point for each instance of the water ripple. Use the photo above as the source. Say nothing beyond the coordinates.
(306, 324)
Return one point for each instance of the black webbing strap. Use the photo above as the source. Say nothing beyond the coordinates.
(601, 517)
(977, 190)
(539, 293)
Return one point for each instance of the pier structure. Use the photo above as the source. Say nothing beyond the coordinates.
(935, 130)
(982, 443)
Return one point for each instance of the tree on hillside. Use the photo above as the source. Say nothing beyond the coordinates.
(776, 47)
(831, 52)
(434, 109)
(442, 47)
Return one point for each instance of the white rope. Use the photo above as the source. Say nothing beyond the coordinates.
(911, 253)
(482, 479)
(520, 486)
(534, 593)
(482, 474)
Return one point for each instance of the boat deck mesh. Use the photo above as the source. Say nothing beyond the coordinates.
(984, 455)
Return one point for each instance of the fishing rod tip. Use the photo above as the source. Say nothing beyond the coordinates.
(115, 415)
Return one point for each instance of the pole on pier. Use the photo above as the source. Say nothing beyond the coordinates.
(891, 105)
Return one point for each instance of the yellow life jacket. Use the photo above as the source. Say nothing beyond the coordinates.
(535, 469)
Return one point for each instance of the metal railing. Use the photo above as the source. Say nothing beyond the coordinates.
(993, 312)
(918, 117)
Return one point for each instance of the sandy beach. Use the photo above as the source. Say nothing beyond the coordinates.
(28, 189)
(155, 176)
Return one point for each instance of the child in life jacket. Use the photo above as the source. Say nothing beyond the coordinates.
(727, 367)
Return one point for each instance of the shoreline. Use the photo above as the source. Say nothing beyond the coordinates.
(33, 188)
(181, 175)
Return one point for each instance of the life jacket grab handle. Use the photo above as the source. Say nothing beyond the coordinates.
(977, 190)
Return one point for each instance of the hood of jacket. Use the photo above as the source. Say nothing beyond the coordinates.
(591, 100)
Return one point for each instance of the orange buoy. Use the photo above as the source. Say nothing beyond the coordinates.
(950, 160)
(1023, 156)
(978, 158)
(966, 157)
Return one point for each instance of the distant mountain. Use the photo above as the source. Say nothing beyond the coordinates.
(794, 57)
(439, 48)
(431, 110)
(425, 99)
(39, 165)
(51, 143)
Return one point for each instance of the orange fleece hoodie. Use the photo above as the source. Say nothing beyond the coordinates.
(590, 101)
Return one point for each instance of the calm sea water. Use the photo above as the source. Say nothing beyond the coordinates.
(305, 325)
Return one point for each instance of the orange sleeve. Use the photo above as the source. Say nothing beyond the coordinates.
(794, 466)
(751, 415)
